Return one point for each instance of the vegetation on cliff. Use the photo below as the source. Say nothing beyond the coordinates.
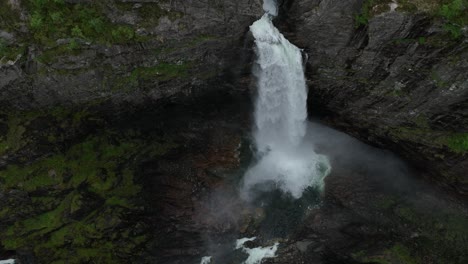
(68, 195)
(454, 13)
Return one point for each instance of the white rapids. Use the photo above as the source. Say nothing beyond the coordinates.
(256, 255)
(206, 260)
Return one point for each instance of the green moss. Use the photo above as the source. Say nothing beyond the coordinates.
(149, 13)
(9, 17)
(54, 19)
(455, 14)
(14, 138)
(102, 166)
(200, 39)
(455, 142)
(386, 202)
(152, 12)
(407, 214)
(403, 254)
(362, 19)
(371, 8)
(398, 253)
(77, 196)
(406, 6)
(458, 142)
(422, 40)
(10, 52)
(161, 72)
(422, 121)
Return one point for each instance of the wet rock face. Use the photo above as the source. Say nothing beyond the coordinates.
(124, 50)
(396, 80)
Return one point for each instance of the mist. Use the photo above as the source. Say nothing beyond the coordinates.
(347, 156)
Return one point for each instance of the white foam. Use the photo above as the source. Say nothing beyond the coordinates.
(240, 242)
(256, 255)
(8, 261)
(206, 260)
(292, 172)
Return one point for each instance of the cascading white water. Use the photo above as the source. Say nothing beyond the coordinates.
(284, 157)
(280, 115)
(280, 110)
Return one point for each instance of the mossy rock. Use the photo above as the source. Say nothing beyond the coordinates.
(72, 203)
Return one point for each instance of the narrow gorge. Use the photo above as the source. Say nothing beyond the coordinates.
(249, 131)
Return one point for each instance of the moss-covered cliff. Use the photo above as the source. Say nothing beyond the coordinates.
(61, 52)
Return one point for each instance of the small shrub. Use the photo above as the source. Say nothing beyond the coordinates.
(122, 34)
(76, 32)
(456, 17)
(36, 21)
(57, 17)
(362, 19)
(452, 10)
(369, 9)
(73, 45)
(455, 31)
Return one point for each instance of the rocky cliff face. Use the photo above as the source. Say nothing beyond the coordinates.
(112, 125)
(62, 52)
(390, 73)
(86, 92)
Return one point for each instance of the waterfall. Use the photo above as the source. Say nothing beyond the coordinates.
(280, 110)
(284, 160)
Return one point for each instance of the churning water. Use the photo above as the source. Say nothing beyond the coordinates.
(283, 160)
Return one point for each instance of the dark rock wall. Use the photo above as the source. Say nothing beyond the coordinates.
(137, 50)
(398, 80)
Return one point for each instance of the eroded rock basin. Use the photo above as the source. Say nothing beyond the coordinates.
(160, 185)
